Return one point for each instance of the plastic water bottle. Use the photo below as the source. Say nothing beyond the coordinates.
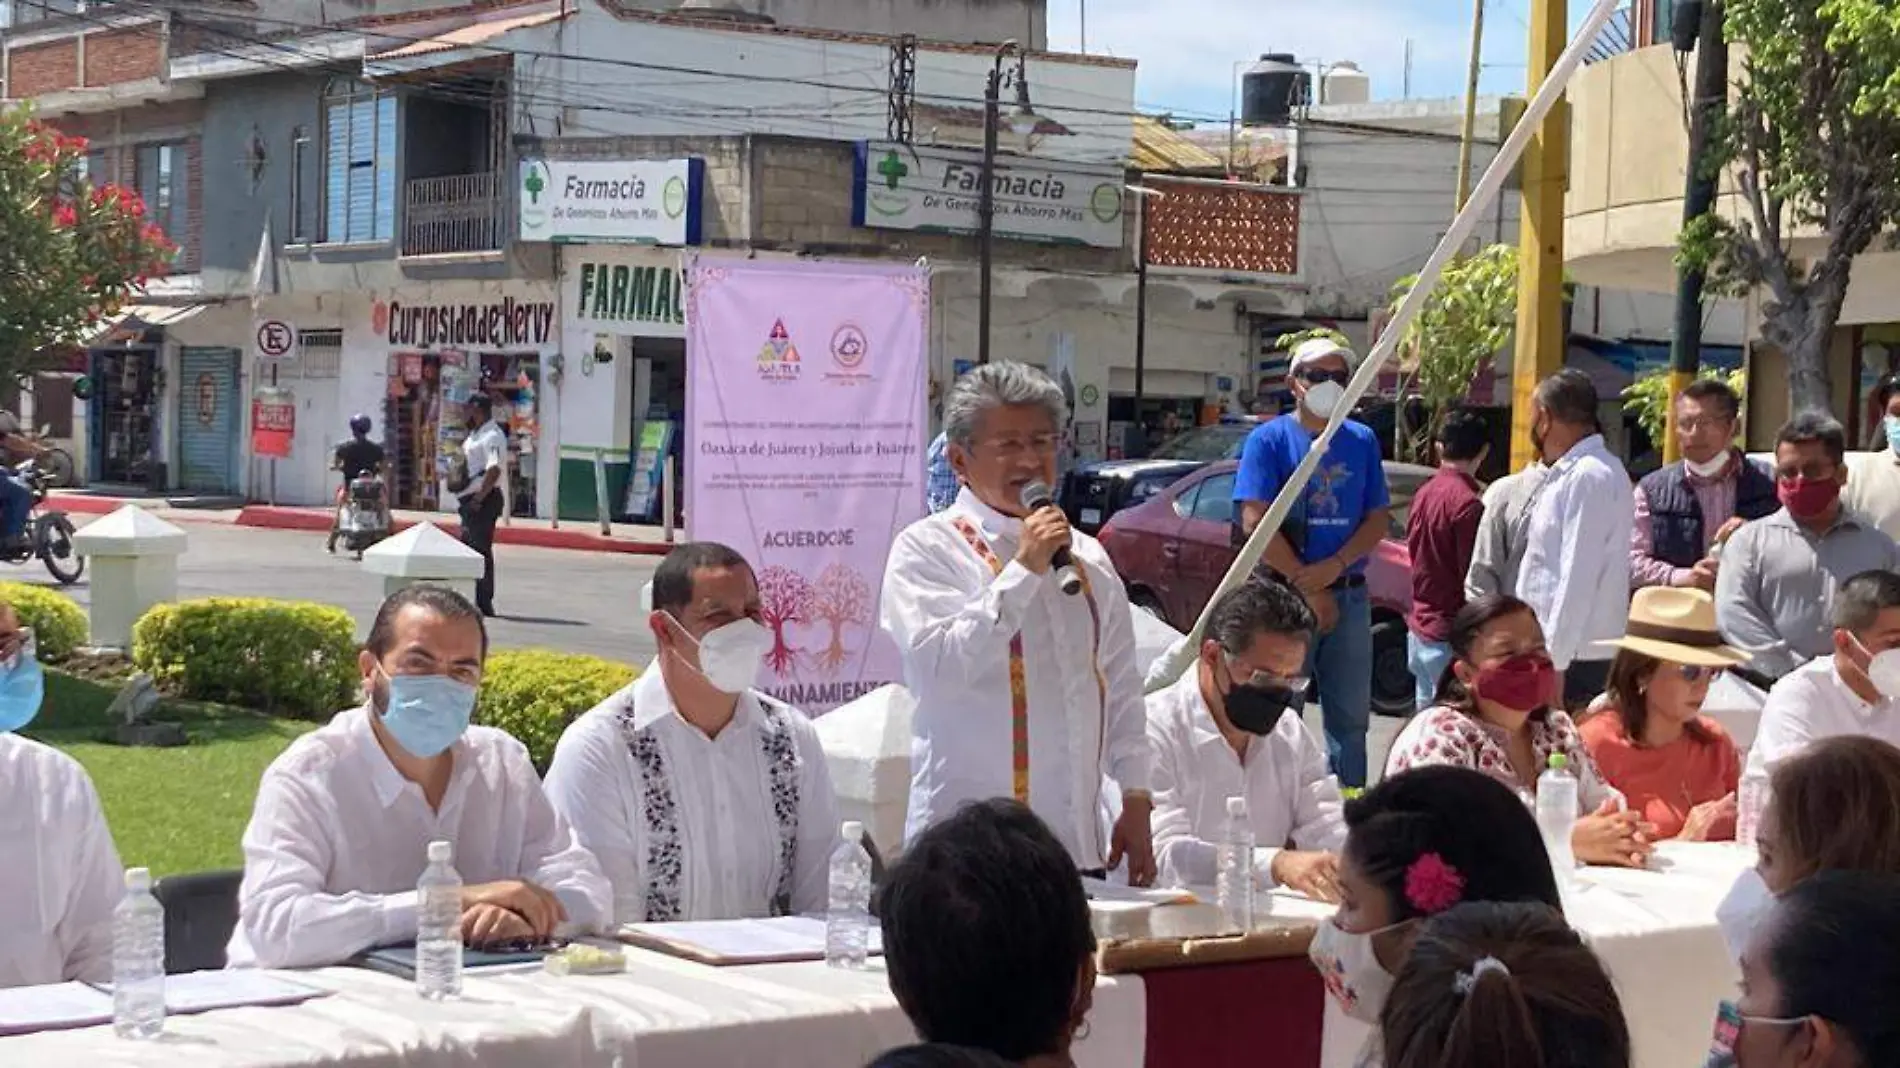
(439, 925)
(1751, 800)
(1557, 807)
(848, 921)
(1234, 885)
(138, 960)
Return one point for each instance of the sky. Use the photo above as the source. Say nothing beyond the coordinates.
(1187, 48)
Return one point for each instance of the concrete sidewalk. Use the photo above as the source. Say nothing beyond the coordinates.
(514, 530)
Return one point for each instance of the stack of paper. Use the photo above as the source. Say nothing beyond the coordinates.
(26, 1009)
(722, 942)
(56, 1006)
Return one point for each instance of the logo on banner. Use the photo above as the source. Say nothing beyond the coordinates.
(778, 358)
(848, 346)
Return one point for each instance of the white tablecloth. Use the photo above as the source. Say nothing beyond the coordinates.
(663, 1013)
(1655, 932)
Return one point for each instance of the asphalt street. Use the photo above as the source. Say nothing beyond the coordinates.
(548, 598)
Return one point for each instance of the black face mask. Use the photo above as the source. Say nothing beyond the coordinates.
(1257, 709)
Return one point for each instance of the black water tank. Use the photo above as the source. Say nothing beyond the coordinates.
(1272, 88)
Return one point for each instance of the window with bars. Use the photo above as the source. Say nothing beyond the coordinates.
(319, 353)
(359, 163)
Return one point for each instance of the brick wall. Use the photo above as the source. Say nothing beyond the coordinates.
(34, 70)
(127, 55)
(87, 59)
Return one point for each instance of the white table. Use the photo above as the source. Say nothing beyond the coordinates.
(1655, 932)
(663, 1013)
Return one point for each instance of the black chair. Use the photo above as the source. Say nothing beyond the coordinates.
(201, 911)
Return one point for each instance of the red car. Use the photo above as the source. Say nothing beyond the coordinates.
(1174, 548)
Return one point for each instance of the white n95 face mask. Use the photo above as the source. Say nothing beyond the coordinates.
(1883, 670)
(730, 656)
(1323, 397)
(1738, 915)
(1711, 468)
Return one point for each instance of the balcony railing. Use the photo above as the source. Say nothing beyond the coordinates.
(460, 213)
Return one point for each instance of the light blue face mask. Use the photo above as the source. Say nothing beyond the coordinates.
(1893, 433)
(427, 713)
(22, 688)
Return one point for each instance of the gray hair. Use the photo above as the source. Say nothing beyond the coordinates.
(1862, 598)
(998, 385)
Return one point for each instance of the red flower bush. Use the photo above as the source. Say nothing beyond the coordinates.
(79, 251)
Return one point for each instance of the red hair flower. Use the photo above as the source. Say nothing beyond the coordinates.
(1432, 886)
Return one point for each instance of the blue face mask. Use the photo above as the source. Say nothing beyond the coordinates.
(427, 713)
(22, 689)
(1893, 433)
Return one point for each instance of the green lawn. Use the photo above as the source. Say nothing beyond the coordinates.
(171, 810)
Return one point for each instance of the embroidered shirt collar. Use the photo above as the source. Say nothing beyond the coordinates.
(994, 524)
(652, 703)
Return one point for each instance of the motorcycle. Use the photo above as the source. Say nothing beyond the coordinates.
(365, 520)
(49, 532)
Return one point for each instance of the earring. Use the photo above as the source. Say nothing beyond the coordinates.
(1081, 1032)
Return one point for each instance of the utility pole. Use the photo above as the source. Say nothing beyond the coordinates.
(1471, 105)
(1540, 276)
(1698, 198)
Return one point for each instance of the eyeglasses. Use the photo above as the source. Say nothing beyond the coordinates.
(1696, 672)
(1314, 376)
(1265, 680)
(1691, 426)
(1040, 445)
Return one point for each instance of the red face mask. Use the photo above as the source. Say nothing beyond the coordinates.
(1522, 683)
(1807, 498)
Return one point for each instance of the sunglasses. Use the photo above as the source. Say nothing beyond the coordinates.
(1314, 376)
(1696, 673)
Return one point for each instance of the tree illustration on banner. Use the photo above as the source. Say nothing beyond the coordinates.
(787, 599)
(841, 598)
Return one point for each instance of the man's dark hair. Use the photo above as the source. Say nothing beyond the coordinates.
(936, 1055)
(1257, 605)
(1835, 954)
(441, 600)
(1861, 599)
(1810, 427)
(1463, 435)
(1716, 392)
(986, 930)
(1569, 396)
(673, 579)
(482, 402)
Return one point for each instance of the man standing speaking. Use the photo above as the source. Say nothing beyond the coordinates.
(1016, 637)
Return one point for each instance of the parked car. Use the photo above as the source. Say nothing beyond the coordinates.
(1093, 492)
(1173, 548)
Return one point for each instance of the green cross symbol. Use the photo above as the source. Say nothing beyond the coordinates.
(892, 168)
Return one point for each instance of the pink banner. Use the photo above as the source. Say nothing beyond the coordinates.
(805, 451)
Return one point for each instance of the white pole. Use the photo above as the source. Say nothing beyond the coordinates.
(1461, 227)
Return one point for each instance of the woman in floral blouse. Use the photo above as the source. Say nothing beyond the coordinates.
(1494, 714)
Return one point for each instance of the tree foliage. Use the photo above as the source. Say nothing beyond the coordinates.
(1648, 398)
(71, 252)
(1468, 318)
(1812, 136)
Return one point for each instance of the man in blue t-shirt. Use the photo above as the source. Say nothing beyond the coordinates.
(1323, 545)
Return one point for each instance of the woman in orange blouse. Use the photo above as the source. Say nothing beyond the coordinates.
(1647, 735)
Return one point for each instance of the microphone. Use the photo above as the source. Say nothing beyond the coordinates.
(1035, 498)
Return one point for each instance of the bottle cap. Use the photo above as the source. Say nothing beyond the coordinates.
(1236, 806)
(138, 878)
(852, 831)
(440, 851)
(1558, 762)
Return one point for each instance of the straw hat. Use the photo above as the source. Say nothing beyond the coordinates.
(1677, 625)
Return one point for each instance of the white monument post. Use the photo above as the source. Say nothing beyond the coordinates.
(134, 557)
(423, 553)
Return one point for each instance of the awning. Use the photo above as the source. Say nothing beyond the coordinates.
(140, 318)
(461, 43)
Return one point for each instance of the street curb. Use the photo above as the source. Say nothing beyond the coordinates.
(266, 517)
